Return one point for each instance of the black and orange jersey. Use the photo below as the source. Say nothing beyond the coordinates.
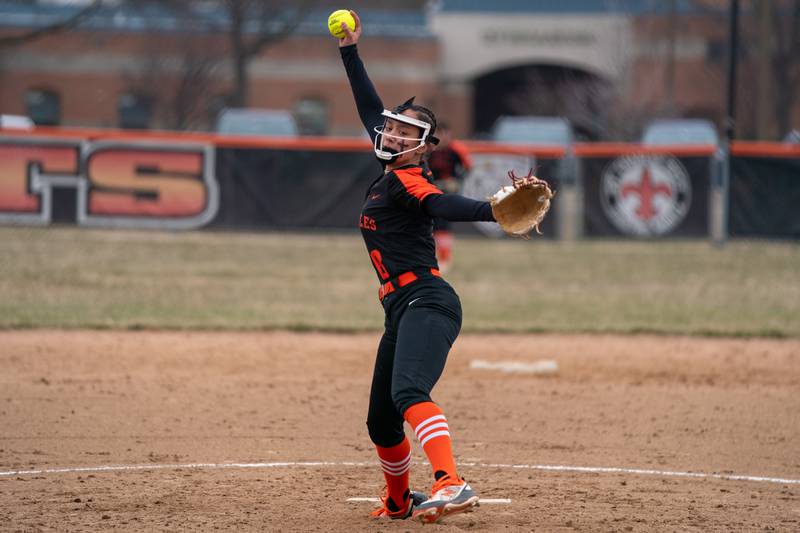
(395, 227)
(397, 216)
(397, 220)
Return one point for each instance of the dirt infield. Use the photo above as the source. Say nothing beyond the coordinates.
(660, 407)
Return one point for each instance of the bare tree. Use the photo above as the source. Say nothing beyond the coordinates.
(777, 34)
(192, 96)
(786, 61)
(254, 25)
(63, 25)
(179, 85)
(580, 97)
(176, 79)
(249, 25)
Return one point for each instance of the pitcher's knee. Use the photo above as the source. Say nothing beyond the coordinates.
(405, 397)
(384, 433)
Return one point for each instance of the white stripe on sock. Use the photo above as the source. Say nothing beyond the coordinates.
(397, 471)
(430, 428)
(398, 463)
(398, 468)
(428, 421)
(433, 436)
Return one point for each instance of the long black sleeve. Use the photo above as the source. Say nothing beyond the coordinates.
(457, 208)
(368, 102)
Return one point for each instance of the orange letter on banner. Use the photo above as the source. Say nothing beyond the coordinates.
(136, 181)
(15, 161)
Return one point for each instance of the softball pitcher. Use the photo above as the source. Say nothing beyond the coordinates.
(423, 313)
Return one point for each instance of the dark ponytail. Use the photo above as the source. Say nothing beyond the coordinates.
(423, 113)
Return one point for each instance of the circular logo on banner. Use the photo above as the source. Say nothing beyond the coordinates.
(489, 173)
(645, 195)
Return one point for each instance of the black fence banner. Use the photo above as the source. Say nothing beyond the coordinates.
(764, 197)
(274, 188)
(183, 181)
(646, 195)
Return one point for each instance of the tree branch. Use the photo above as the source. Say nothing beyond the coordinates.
(794, 52)
(267, 36)
(66, 24)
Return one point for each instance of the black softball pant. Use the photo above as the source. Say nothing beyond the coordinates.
(421, 326)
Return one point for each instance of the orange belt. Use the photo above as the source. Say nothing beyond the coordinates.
(401, 281)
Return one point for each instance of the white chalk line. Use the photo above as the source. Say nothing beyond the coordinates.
(312, 464)
(490, 501)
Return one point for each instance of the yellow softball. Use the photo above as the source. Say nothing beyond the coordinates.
(335, 22)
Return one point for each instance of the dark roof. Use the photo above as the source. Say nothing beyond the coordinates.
(570, 6)
(154, 17)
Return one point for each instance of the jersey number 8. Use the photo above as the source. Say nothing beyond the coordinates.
(377, 260)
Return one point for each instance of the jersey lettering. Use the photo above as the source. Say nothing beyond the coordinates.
(377, 260)
(366, 222)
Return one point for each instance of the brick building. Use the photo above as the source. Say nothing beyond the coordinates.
(608, 70)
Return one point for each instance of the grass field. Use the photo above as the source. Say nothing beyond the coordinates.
(78, 278)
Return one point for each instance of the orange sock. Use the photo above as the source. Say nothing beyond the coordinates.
(433, 434)
(396, 462)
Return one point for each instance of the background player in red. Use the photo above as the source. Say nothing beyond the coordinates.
(423, 313)
(449, 162)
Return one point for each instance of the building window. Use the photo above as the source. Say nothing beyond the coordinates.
(135, 110)
(312, 116)
(43, 107)
(717, 51)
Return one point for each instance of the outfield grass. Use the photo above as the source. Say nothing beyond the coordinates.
(78, 278)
